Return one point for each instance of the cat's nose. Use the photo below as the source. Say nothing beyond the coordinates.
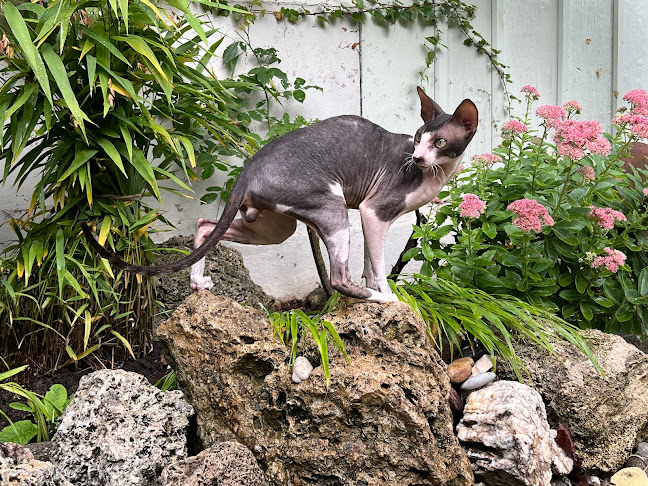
(418, 160)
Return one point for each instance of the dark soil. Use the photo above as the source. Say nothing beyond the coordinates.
(153, 366)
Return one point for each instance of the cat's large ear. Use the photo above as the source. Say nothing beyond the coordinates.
(467, 116)
(429, 109)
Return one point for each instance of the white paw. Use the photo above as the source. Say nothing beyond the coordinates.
(382, 297)
(201, 283)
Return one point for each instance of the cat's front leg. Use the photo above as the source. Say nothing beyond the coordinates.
(375, 231)
(368, 273)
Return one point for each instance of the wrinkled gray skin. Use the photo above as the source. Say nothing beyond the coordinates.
(317, 173)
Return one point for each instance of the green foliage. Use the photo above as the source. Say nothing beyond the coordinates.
(93, 92)
(44, 410)
(292, 326)
(168, 382)
(558, 267)
(496, 321)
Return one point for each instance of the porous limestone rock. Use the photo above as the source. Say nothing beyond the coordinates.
(223, 264)
(384, 419)
(223, 464)
(507, 437)
(119, 430)
(19, 468)
(607, 413)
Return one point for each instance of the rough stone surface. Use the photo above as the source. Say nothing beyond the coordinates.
(384, 419)
(120, 430)
(223, 264)
(223, 464)
(605, 414)
(507, 437)
(460, 370)
(18, 467)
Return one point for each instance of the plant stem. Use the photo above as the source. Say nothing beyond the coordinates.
(536, 162)
(564, 188)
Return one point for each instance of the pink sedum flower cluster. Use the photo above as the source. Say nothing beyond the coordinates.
(513, 127)
(553, 115)
(645, 191)
(471, 206)
(485, 160)
(606, 216)
(530, 92)
(531, 215)
(587, 173)
(572, 105)
(638, 123)
(573, 137)
(638, 99)
(612, 261)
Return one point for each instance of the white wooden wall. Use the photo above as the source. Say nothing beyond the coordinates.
(592, 51)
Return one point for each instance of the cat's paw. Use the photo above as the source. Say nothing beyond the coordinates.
(202, 283)
(382, 297)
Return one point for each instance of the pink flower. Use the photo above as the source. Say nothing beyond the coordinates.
(638, 99)
(485, 160)
(606, 216)
(530, 92)
(573, 137)
(552, 114)
(572, 105)
(638, 123)
(471, 206)
(587, 173)
(436, 200)
(531, 215)
(645, 191)
(511, 127)
(612, 261)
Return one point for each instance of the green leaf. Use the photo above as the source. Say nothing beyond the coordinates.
(60, 76)
(124, 342)
(489, 229)
(81, 158)
(104, 42)
(112, 152)
(643, 282)
(19, 432)
(60, 258)
(55, 399)
(299, 95)
(140, 45)
(5, 375)
(25, 93)
(21, 33)
(143, 167)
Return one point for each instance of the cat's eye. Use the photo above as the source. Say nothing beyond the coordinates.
(417, 137)
(440, 142)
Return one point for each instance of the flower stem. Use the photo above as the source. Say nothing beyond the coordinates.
(564, 188)
(536, 161)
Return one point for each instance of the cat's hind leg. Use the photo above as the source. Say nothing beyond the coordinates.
(255, 228)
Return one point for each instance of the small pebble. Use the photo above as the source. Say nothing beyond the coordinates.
(301, 370)
(456, 403)
(483, 364)
(478, 381)
(460, 370)
(630, 476)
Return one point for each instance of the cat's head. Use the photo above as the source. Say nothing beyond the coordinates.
(441, 141)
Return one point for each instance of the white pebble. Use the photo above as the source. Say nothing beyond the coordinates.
(301, 370)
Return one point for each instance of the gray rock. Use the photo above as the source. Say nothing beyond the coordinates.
(507, 437)
(384, 419)
(18, 467)
(223, 464)
(119, 430)
(41, 450)
(478, 381)
(606, 414)
(225, 267)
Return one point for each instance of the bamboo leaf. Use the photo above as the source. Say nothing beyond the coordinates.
(124, 342)
(143, 167)
(81, 158)
(190, 150)
(104, 42)
(60, 76)
(25, 93)
(112, 152)
(21, 33)
(105, 230)
(60, 258)
(140, 46)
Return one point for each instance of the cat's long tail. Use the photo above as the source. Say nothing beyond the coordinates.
(229, 213)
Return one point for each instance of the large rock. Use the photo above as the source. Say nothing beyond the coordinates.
(19, 468)
(508, 439)
(384, 419)
(223, 464)
(223, 264)
(120, 430)
(605, 413)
